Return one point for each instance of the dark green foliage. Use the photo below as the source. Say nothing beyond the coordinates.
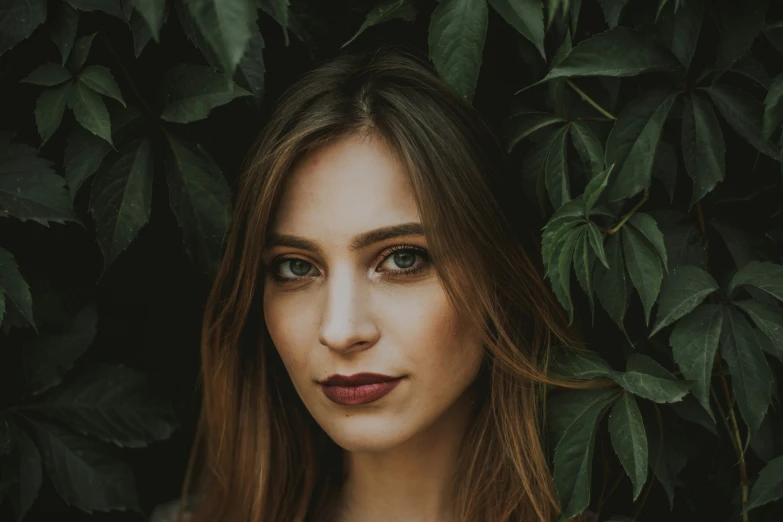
(648, 134)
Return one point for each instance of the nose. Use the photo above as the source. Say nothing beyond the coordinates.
(347, 324)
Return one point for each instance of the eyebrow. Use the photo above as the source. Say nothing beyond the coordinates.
(357, 243)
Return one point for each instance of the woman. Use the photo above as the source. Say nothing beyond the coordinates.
(375, 345)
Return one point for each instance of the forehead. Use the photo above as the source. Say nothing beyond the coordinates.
(345, 187)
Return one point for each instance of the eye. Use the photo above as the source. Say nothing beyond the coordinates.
(404, 258)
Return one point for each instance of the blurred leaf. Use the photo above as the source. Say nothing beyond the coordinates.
(279, 10)
(694, 341)
(617, 52)
(773, 107)
(63, 30)
(18, 20)
(633, 140)
(751, 376)
(84, 153)
(612, 11)
(389, 10)
(251, 69)
(121, 199)
(112, 403)
(744, 114)
(49, 110)
(610, 285)
(48, 75)
(762, 275)
(526, 16)
(739, 24)
(112, 7)
(100, 80)
(573, 460)
(629, 439)
(201, 201)
(457, 32)
(769, 320)
(153, 13)
(25, 465)
(85, 474)
(192, 91)
(768, 487)
(47, 357)
(9, 433)
(90, 111)
(683, 290)
(81, 48)
(703, 148)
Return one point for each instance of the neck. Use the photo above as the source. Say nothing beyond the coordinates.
(411, 482)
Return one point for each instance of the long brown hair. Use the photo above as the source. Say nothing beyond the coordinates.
(259, 456)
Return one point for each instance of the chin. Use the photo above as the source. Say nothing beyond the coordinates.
(366, 431)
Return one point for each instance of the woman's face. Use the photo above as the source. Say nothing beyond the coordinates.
(345, 295)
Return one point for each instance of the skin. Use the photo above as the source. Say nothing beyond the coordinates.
(348, 311)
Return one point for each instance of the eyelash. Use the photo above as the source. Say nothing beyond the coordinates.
(397, 248)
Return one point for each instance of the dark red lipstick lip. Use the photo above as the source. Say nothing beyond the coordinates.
(357, 379)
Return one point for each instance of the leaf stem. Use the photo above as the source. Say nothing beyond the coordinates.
(630, 213)
(740, 453)
(588, 99)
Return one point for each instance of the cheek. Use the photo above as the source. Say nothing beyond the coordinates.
(287, 322)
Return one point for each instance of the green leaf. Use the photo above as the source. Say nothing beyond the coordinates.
(113, 403)
(629, 440)
(739, 25)
(279, 10)
(90, 111)
(48, 75)
(613, 9)
(25, 465)
(596, 238)
(84, 473)
(573, 460)
(683, 290)
(646, 225)
(526, 16)
(521, 125)
(769, 320)
(689, 409)
(100, 80)
(389, 10)
(112, 7)
(762, 275)
(610, 285)
(153, 13)
(768, 487)
(694, 341)
(773, 107)
(556, 171)
(665, 167)
(744, 114)
(49, 110)
(584, 262)
(533, 173)
(703, 148)
(457, 32)
(227, 25)
(192, 91)
(633, 141)
(84, 153)
(669, 448)
(121, 199)
(201, 201)
(81, 48)
(589, 148)
(18, 20)
(565, 407)
(644, 267)
(751, 377)
(49, 356)
(63, 31)
(251, 69)
(581, 364)
(686, 29)
(9, 433)
(617, 52)
(648, 379)
(560, 269)
(553, 233)
(595, 188)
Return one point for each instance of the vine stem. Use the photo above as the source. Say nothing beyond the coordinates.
(740, 453)
(630, 213)
(589, 100)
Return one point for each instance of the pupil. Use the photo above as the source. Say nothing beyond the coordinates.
(399, 259)
(297, 265)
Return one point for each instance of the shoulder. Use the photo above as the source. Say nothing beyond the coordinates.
(168, 511)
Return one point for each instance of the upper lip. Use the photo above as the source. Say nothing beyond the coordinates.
(357, 379)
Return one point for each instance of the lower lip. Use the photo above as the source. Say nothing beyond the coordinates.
(355, 395)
